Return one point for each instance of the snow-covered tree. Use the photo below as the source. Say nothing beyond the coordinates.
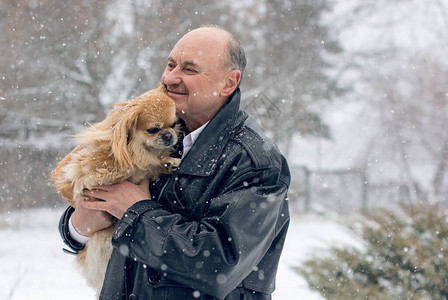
(394, 60)
(292, 59)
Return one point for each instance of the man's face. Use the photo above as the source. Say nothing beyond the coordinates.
(195, 76)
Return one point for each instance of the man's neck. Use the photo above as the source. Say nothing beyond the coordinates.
(201, 119)
(193, 125)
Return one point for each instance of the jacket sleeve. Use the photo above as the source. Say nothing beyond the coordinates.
(64, 231)
(216, 253)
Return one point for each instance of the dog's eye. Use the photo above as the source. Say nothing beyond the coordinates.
(153, 130)
(173, 125)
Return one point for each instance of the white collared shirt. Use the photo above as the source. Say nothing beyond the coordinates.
(190, 139)
(188, 142)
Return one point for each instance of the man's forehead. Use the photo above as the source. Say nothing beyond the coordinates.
(194, 55)
(184, 60)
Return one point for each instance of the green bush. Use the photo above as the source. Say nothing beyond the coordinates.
(404, 257)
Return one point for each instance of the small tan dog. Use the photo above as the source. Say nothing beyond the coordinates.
(134, 142)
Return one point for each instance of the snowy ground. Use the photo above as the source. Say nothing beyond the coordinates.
(33, 266)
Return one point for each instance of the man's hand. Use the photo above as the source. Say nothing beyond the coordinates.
(116, 199)
(86, 221)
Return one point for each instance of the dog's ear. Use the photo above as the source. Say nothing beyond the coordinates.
(122, 134)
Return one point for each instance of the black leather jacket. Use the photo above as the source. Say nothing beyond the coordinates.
(215, 229)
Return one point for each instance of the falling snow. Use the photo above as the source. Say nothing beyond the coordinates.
(355, 96)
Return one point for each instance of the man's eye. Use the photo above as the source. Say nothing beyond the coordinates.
(190, 70)
(153, 130)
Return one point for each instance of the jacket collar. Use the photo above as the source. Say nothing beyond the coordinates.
(201, 160)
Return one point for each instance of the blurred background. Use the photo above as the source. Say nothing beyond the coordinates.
(355, 93)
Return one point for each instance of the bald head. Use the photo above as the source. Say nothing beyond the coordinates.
(234, 55)
(210, 31)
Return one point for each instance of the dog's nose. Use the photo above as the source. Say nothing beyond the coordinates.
(167, 138)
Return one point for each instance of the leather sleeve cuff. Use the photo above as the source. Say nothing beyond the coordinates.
(122, 234)
(64, 231)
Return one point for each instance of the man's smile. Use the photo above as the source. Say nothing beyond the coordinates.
(177, 92)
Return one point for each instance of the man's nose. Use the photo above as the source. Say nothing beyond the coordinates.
(171, 77)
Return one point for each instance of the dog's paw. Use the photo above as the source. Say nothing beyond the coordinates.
(171, 164)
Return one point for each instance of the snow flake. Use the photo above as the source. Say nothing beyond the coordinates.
(124, 250)
(221, 278)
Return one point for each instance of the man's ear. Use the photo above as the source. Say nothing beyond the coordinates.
(230, 82)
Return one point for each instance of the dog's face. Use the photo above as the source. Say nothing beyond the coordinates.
(143, 127)
(156, 127)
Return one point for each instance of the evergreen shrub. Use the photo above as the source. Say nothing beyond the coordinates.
(404, 256)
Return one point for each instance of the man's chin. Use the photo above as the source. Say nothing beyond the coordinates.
(180, 113)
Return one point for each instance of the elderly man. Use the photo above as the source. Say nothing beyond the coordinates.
(215, 228)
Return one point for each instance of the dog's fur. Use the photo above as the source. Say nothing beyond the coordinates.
(133, 142)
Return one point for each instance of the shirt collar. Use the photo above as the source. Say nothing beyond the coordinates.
(205, 153)
(190, 138)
